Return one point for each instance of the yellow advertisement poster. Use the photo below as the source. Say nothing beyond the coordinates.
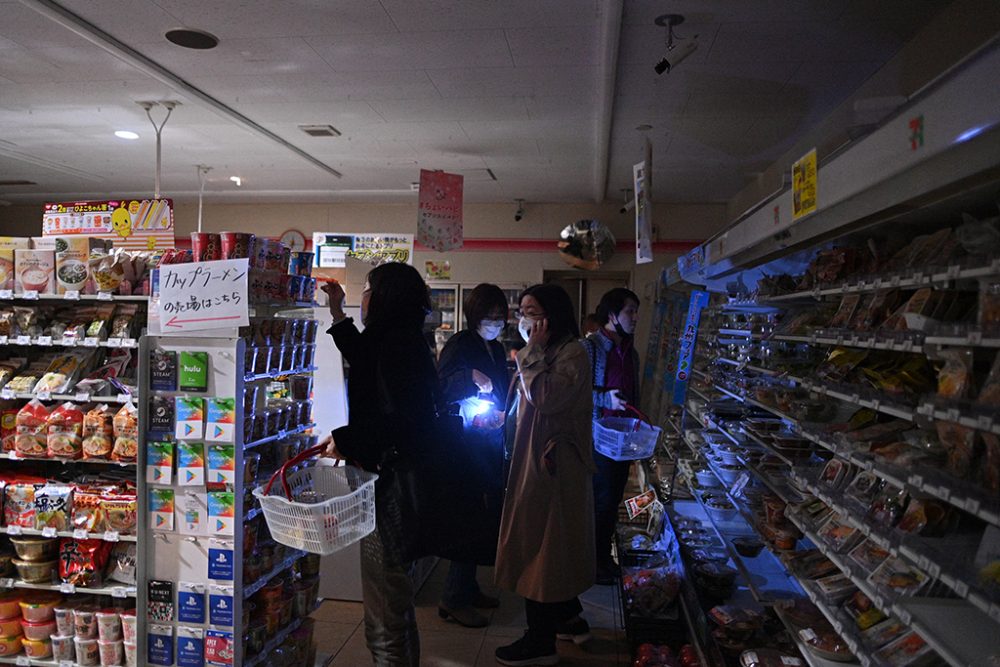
(804, 185)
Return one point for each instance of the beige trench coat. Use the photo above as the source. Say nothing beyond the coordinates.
(546, 548)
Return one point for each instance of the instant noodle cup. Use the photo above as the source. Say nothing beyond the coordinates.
(128, 620)
(237, 245)
(206, 247)
(85, 623)
(64, 621)
(10, 626)
(9, 606)
(39, 631)
(10, 645)
(37, 649)
(109, 626)
(39, 608)
(87, 652)
(130, 654)
(111, 652)
(62, 647)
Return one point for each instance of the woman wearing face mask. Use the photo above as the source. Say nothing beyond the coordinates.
(546, 548)
(616, 383)
(473, 372)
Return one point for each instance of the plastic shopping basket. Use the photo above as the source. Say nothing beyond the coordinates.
(344, 517)
(624, 438)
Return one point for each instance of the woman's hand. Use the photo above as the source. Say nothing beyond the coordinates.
(335, 293)
(331, 448)
(539, 333)
(615, 400)
(483, 381)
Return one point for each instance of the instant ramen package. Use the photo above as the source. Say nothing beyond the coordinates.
(82, 562)
(19, 505)
(98, 433)
(120, 511)
(126, 426)
(31, 438)
(65, 434)
(53, 504)
(88, 512)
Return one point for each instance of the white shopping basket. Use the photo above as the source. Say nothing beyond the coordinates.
(624, 438)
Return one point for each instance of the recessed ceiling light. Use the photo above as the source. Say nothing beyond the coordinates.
(126, 134)
(644, 127)
(237, 180)
(192, 39)
(320, 130)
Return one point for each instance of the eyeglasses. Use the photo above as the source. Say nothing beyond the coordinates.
(531, 316)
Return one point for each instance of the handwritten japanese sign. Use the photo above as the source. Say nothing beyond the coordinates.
(203, 295)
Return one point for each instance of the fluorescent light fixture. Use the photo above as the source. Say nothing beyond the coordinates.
(126, 134)
(970, 133)
(237, 180)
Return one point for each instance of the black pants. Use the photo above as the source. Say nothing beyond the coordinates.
(609, 486)
(545, 617)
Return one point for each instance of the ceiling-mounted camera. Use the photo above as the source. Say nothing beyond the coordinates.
(519, 213)
(675, 52)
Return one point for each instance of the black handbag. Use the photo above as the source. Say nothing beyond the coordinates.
(438, 500)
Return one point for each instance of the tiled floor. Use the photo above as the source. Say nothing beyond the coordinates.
(339, 631)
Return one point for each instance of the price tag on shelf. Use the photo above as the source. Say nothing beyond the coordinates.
(13, 530)
(894, 280)
(22, 660)
(67, 663)
(44, 395)
(30, 294)
(90, 341)
(119, 592)
(6, 582)
(971, 505)
(111, 536)
(82, 396)
(740, 484)
(123, 398)
(6, 294)
(68, 341)
(72, 295)
(23, 340)
(114, 342)
(7, 393)
(130, 342)
(954, 271)
(44, 340)
(995, 612)
(3, 340)
(67, 589)
(105, 296)
(807, 634)
(984, 422)
(49, 531)
(961, 588)
(79, 534)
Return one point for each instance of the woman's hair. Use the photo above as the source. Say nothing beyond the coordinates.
(558, 310)
(613, 302)
(483, 300)
(399, 297)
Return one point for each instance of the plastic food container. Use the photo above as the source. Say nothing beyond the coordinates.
(707, 479)
(35, 548)
(40, 631)
(85, 623)
(10, 626)
(40, 608)
(62, 647)
(64, 621)
(10, 645)
(37, 649)
(36, 572)
(87, 652)
(748, 546)
(130, 654)
(9, 604)
(109, 627)
(111, 652)
(128, 626)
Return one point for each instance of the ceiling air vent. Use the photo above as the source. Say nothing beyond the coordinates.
(17, 182)
(320, 130)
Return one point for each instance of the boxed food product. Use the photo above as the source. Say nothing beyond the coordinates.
(863, 611)
(898, 576)
(835, 588)
(868, 555)
(839, 534)
(34, 270)
(72, 257)
(887, 631)
(888, 506)
(910, 649)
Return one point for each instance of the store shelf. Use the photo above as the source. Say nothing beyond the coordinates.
(735, 332)
(726, 392)
(278, 639)
(8, 295)
(48, 341)
(272, 375)
(864, 341)
(250, 589)
(82, 397)
(109, 536)
(811, 658)
(847, 632)
(69, 589)
(11, 456)
(280, 436)
(33, 662)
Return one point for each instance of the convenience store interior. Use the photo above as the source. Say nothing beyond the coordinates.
(544, 106)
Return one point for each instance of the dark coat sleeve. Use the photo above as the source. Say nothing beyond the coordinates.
(455, 370)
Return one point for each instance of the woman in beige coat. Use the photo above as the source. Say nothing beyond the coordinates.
(546, 548)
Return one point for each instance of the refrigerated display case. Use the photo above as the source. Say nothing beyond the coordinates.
(443, 320)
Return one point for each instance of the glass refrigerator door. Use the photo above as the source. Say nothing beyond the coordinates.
(442, 322)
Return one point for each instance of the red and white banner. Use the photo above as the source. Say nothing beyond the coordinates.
(439, 222)
(136, 224)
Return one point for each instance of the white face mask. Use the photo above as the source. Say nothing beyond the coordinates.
(490, 329)
(524, 326)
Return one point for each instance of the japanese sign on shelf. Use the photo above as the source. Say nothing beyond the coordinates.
(439, 222)
(699, 300)
(333, 249)
(804, 195)
(134, 224)
(200, 296)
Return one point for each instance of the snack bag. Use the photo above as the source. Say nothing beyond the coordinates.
(19, 505)
(81, 562)
(8, 428)
(53, 504)
(31, 439)
(123, 561)
(98, 433)
(87, 513)
(126, 426)
(65, 436)
(120, 512)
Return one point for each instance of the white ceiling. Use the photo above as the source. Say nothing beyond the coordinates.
(513, 86)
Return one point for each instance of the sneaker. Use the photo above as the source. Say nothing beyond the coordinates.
(575, 630)
(526, 652)
(466, 616)
(484, 601)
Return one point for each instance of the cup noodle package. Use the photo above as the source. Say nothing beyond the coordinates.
(72, 261)
(34, 270)
(8, 244)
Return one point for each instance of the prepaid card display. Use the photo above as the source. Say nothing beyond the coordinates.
(221, 419)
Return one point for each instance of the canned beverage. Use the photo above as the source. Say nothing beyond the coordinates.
(300, 264)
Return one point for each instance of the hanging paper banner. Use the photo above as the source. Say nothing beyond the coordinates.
(643, 214)
(689, 336)
(136, 224)
(804, 185)
(439, 222)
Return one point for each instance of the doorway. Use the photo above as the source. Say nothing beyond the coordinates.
(586, 289)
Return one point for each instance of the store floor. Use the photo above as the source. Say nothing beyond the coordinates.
(340, 635)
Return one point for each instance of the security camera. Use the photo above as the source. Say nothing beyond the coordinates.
(629, 201)
(675, 54)
(519, 213)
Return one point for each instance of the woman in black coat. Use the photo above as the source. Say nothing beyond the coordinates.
(473, 373)
(391, 392)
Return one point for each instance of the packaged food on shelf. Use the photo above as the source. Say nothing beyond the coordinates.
(863, 611)
(839, 534)
(868, 555)
(98, 432)
(53, 505)
(65, 432)
(31, 439)
(898, 576)
(888, 506)
(835, 588)
(34, 270)
(126, 432)
(907, 651)
(769, 657)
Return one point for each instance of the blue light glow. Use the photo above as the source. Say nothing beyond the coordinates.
(970, 133)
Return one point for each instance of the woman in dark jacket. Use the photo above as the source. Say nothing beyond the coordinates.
(473, 373)
(391, 397)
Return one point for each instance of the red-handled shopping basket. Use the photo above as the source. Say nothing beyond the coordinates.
(321, 507)
(624, 438)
